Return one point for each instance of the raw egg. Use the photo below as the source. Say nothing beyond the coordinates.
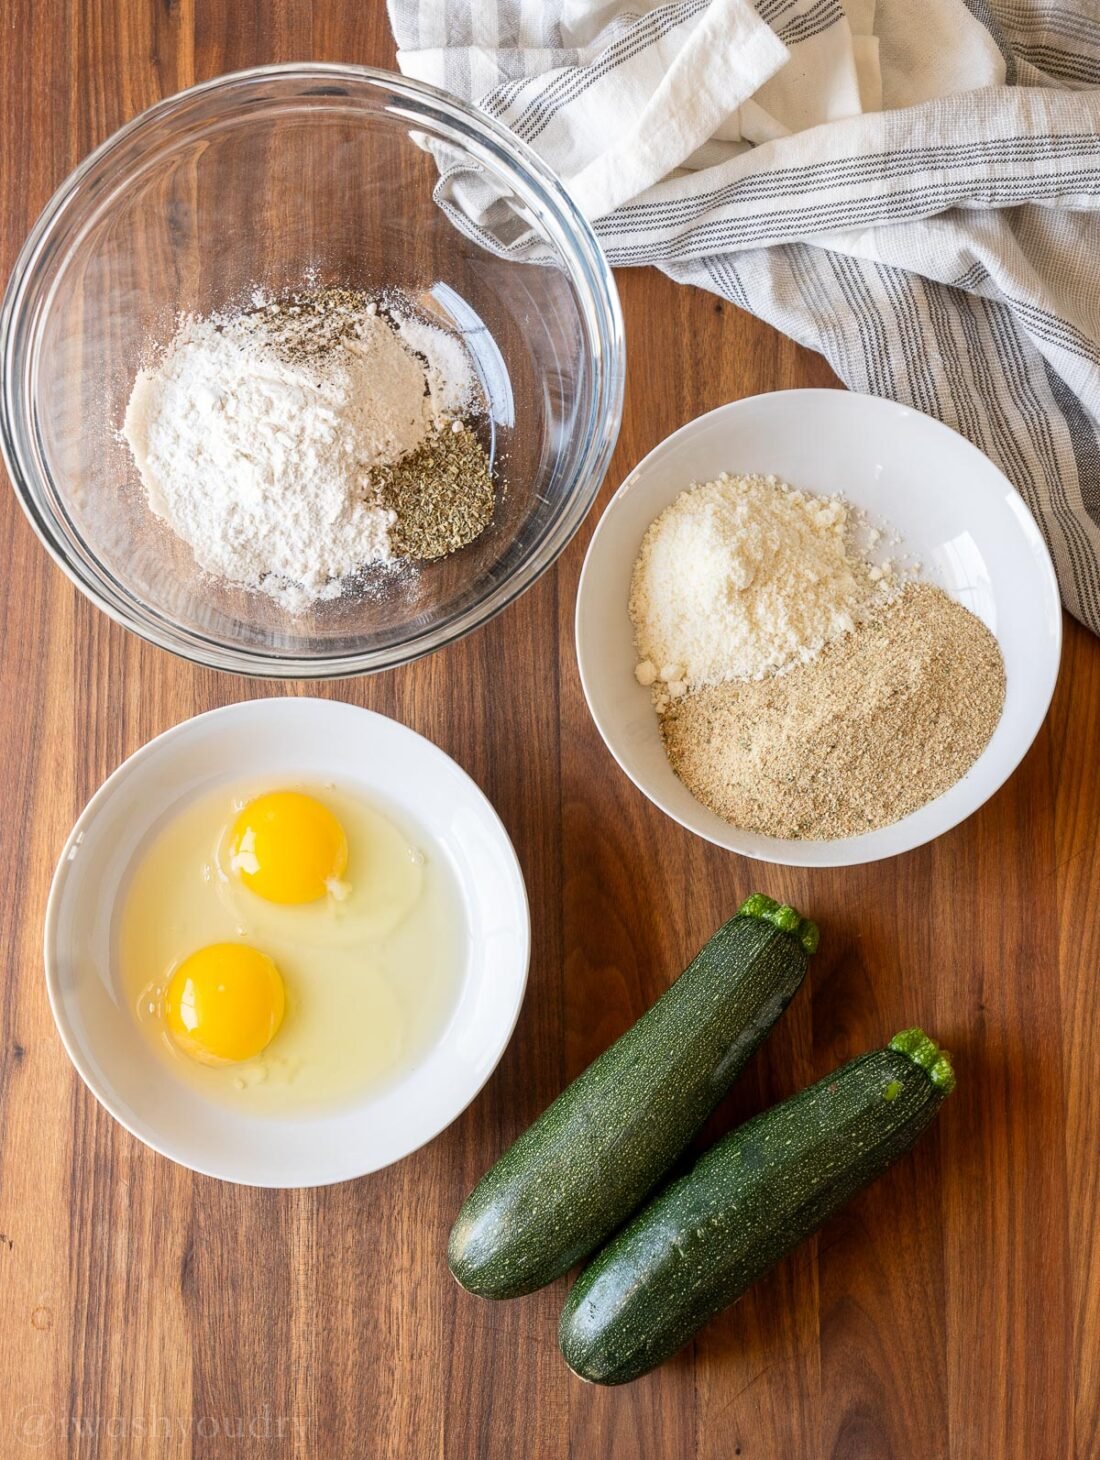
(289, 848)
(224, 1003)
(289, 947)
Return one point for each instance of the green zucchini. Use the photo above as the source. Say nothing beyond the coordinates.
(745, 1203)
(600, 1148)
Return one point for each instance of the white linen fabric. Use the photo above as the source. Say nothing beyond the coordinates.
(911, 189)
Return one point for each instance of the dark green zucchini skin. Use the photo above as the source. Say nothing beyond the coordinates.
(600, 1148)
(745, 1203)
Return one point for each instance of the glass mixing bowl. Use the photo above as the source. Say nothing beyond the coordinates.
(272, 179)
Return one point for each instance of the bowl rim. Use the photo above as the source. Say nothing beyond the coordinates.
(107, 788)
(788, 858)
(599, 308)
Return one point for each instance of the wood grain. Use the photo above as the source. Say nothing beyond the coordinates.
(952, 1311)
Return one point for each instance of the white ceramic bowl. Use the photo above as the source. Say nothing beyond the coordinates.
(303, 738)
(959, 516)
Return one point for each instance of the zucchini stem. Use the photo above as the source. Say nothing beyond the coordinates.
(781, 915)
(926, 1053)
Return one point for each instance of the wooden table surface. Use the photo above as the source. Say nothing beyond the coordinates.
(952, 1310)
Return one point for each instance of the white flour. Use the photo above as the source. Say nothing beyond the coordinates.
(256, 446)
(740, 578)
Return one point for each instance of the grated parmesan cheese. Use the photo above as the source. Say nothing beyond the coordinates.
(745, 577)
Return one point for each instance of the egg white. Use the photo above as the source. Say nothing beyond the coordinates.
(372, 971)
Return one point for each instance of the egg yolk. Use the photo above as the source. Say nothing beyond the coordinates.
(288, 848)
(225, 1003)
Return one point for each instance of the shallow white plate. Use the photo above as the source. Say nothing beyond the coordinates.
(959, 516)
(304, 739)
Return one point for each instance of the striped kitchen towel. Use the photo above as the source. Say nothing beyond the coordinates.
(913, 189)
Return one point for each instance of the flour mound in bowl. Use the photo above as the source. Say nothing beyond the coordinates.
(263, 438)
(744, 577)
